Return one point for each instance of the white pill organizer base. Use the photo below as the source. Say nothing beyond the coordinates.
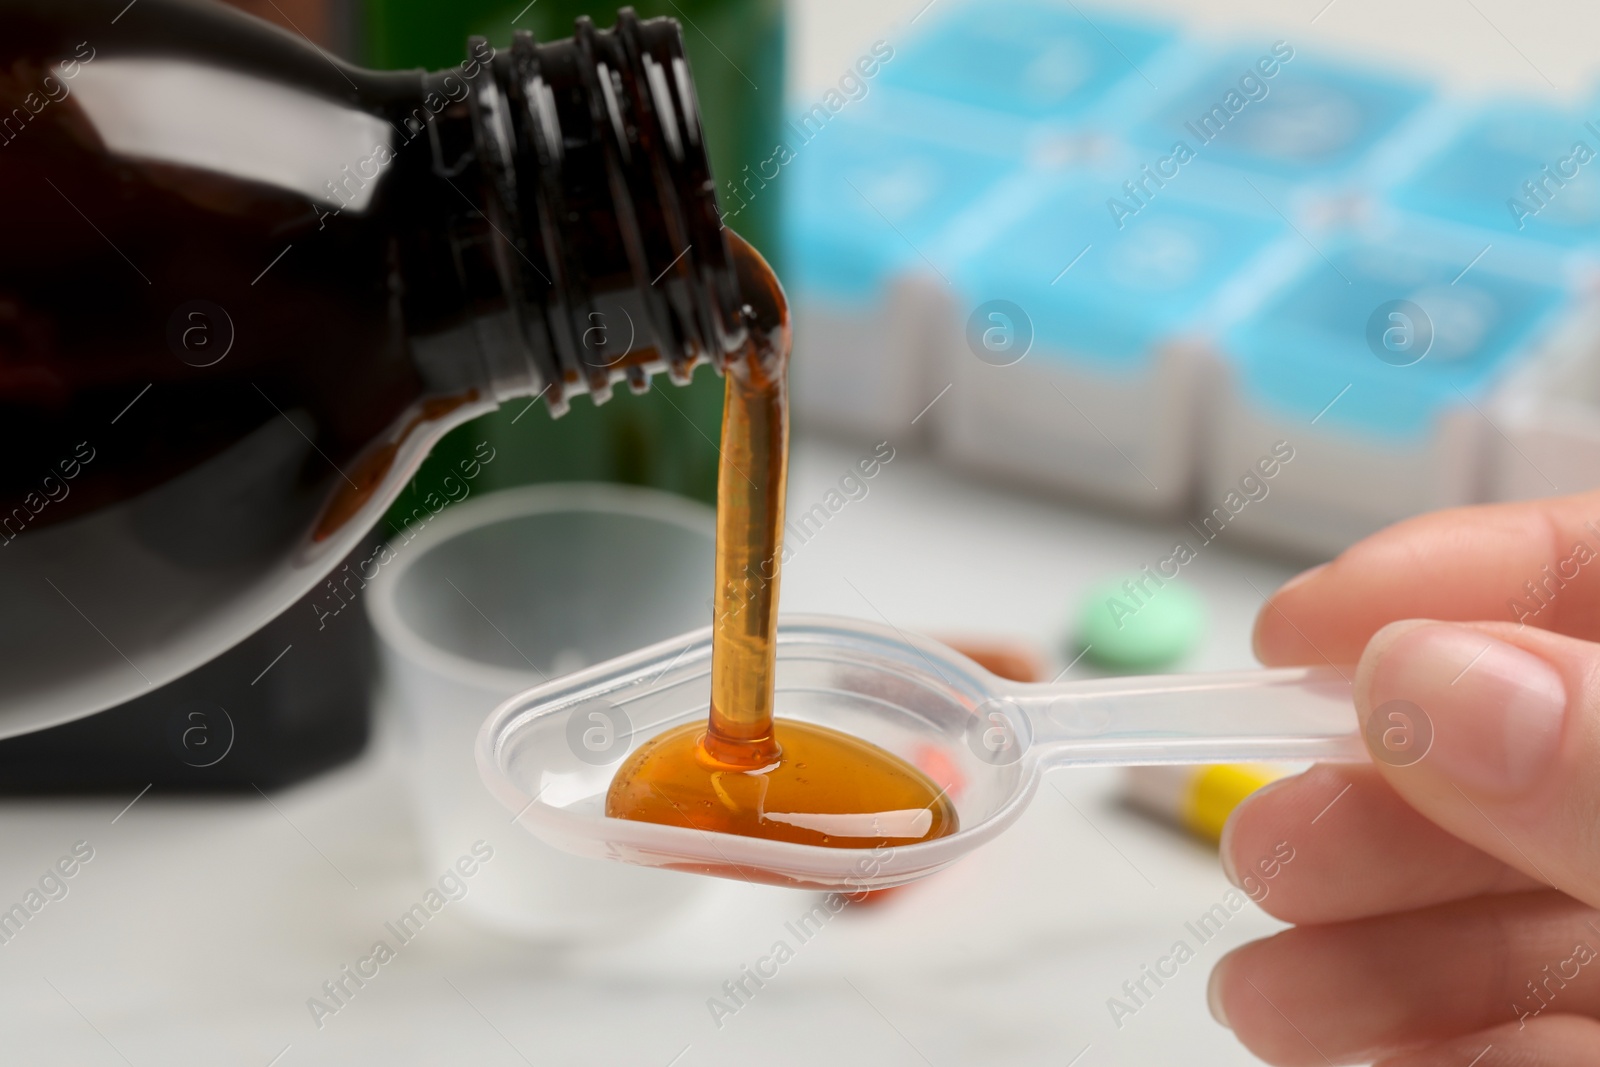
(1338, 487)
(1053, 422)
(1549, 419)
(859, 369)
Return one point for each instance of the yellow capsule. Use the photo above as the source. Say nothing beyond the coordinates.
(1197, 798)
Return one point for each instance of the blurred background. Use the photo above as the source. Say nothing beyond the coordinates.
(1208, 291)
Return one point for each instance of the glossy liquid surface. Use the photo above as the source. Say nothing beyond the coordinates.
(827, 788)
(744, 771)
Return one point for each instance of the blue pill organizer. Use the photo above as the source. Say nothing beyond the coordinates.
(1029, 60)
(1103, 401)
(866, 204)
(1520, 169)
(1280, 115)
(1379, 363)
(1115, 260)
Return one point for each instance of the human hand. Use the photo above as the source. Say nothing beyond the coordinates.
(1446, 905)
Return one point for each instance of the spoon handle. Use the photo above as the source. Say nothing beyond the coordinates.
(1287, 714)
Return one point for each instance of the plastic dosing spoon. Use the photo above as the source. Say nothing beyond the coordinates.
(549, 754)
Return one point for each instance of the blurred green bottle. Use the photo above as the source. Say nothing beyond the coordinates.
(666, 438)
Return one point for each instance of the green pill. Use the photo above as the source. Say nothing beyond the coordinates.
(1135, 624)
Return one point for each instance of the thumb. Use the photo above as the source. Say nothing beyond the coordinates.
(1493, 732)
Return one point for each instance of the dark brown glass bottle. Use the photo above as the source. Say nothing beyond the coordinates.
(243, 287)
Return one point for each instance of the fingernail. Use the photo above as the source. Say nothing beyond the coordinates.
(1225, 849)
(1214, 993)
(1492, 712)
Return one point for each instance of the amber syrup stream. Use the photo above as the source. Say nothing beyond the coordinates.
(745, 771)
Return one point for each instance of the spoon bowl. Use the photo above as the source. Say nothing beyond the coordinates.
(549, 754)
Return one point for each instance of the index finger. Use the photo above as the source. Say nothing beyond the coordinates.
(1535, 562)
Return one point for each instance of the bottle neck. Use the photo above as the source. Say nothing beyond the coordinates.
(579, 241)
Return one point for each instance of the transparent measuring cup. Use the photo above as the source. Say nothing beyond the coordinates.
(549, 754)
